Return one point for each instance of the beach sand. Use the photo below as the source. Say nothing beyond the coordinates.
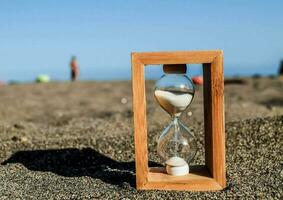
(75, 140)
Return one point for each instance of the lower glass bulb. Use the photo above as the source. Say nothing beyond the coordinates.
(177, 147)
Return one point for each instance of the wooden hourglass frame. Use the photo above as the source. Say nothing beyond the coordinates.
(212, 175)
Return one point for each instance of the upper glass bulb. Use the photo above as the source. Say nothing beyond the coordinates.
(174, 93)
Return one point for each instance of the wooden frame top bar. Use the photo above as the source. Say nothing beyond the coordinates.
(177, 57)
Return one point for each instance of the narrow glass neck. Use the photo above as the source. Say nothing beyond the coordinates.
(175, 119)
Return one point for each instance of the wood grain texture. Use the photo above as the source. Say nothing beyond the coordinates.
(214, 119)
(140, 124)
(175, 68)
(207, 99)
(198, 179)
(210, 177)
(218, 122)
(178, 57)
(203, 186)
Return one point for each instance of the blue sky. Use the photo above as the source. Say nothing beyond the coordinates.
(40, 36)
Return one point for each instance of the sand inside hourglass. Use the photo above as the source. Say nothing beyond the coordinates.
(173, 102)
(177, 166)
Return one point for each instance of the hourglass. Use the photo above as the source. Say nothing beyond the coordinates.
(174, 92)
(176, 146)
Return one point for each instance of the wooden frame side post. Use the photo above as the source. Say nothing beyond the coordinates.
(207, 99)
(214, 119)
(140, 124)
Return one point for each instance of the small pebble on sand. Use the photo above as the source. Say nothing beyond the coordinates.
(124, 100)
(24, 139)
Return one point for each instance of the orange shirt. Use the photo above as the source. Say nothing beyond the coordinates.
(74, 65)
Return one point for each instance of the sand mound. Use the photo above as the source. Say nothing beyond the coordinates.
(72, 141)
(103, 167)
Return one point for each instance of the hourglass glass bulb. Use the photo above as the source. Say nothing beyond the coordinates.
(177, 147)
(174, 92)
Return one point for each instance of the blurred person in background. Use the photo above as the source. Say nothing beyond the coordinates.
(74, 68)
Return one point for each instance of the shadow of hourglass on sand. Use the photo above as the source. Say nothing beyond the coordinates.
(74, 162)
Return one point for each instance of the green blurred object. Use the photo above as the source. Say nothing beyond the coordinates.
(43, 78)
